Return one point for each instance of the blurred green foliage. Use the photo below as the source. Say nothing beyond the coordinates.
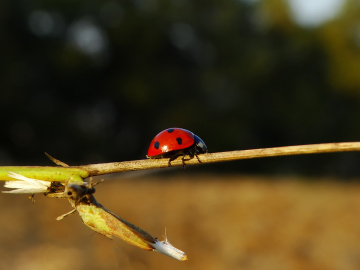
(95, 81)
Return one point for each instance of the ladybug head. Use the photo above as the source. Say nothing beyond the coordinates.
(200, 145)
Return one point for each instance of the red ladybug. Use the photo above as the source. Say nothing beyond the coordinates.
(174, 142)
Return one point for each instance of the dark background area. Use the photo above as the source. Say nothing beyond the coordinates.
(95, 81)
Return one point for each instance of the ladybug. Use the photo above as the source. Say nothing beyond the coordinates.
(174, 142)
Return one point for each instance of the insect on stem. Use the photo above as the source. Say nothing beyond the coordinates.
(105, 222)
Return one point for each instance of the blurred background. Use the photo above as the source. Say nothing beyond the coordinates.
(95, 81)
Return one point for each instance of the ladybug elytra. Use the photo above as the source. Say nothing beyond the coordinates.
(174, 142)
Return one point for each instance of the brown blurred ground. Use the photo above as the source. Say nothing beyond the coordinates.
(221, 222)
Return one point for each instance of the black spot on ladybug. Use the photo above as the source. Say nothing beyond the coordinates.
(170, 130)
(179, 140)
(156, 145)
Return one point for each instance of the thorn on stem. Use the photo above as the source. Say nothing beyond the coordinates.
(56, 161)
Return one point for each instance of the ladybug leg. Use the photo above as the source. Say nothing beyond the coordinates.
(170, 159)
(173, 157)
(193, 152)
(183, 162)
(190, 154)
(198, 158)
(196, 152)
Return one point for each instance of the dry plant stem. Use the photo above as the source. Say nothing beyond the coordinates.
(78, 173)
(99, 169)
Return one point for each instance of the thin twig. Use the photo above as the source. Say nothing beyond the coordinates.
(135, 165)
